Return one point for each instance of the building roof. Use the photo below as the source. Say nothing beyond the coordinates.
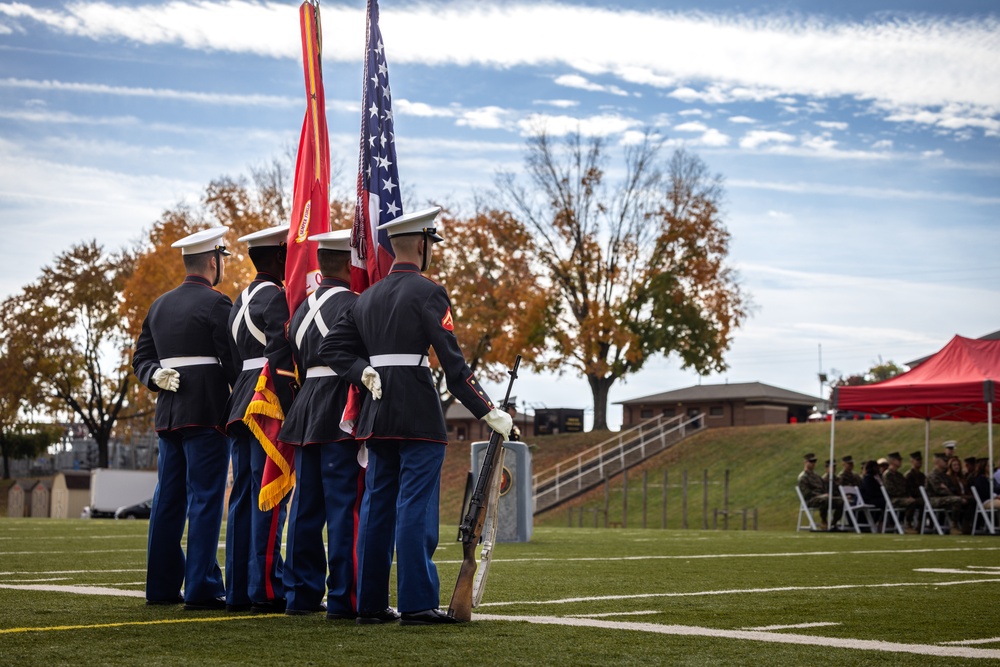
(916, 362)
(77, 479)
(738, 391)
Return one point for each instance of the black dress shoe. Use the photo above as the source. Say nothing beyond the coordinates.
(427, 617)
(305, 612)
(238, 607)
(340, 616)
(385, 616)
(211, 604)
(269, 607)
(158, 603)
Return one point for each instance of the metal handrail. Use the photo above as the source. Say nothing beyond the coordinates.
(556, 477)
(555, 471)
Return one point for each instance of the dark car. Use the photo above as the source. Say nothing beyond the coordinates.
(139, 511)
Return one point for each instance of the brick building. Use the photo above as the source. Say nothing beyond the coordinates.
(738, 404)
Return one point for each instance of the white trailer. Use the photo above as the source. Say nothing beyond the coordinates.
(111, 489)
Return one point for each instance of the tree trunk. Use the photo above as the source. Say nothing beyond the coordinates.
(102, 438)
(599, 388)
(6, 464)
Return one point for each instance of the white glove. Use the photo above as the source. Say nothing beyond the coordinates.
(500, 422)
(167, 378)
(371, 379)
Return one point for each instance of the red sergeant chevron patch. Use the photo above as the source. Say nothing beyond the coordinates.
(447, 322)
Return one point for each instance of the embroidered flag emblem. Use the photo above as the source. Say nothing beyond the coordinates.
(447, 322)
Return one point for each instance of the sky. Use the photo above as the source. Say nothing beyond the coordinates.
(858, 147)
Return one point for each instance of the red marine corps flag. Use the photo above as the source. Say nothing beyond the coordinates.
(310, 216)
(379, 200)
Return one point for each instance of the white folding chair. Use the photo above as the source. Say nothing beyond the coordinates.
(804, 510)
(981, 511)
(932, 512)
(855, 507)
(890, 513)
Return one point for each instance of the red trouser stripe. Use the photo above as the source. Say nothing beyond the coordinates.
(269, 558)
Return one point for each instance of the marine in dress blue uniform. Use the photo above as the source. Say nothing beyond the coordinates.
(183, 354)
(257, 323)
(382, 344)
(329, 481)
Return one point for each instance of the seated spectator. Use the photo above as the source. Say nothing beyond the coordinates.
(915, 478)
(848, 477)
(883, 465)
(981, 482)
(896, 487)
(826, 481)
(970, 471)
(942, 493)
(871, 486)
(816, 493)
(996, 480)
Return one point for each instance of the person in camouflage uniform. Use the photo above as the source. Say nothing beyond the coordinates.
(848, 477)
(896, 487)
(941, 493)
(915, 478)
(816, 492)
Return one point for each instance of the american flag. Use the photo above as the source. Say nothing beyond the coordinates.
(378, 181)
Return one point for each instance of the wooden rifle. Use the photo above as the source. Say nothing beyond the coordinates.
(469, 588)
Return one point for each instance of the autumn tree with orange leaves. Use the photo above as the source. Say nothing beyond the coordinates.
(67, 344)
(501, 307)
(639, 265)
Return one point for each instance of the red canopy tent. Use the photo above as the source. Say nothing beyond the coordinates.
(956, 384)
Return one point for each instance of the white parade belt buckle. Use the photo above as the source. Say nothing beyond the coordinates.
(320, 372)
(254, 364)
(180, 362)
(384, 360)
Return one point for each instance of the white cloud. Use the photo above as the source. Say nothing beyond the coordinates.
(596, 126)
(920, 62)
(803, 188)
(39, 114)
(156, 93)
(403, 106)
(756, 138)
(692, 112)
(488, 118)
(742, 119)
(714, 138)
(561, 104)
(953, 117)
(885, 144)
(710, 137)
(577, 81)
(832, 124)
(693, 126)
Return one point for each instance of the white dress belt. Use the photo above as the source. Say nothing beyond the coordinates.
(251, 364)
(320, 372)
(179, 362)
(383, 360)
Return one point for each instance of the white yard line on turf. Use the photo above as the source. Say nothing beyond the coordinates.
(796, 626)
(615, 613)
(764, 555)
(970, 642)
(812, 641)
(80, 590)
(22, 573)
(944, 570)
(736, 591)
(75, 551)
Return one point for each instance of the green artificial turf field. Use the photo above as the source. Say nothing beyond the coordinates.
(71, 593)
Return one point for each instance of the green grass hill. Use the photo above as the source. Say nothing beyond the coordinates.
(763, 464)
